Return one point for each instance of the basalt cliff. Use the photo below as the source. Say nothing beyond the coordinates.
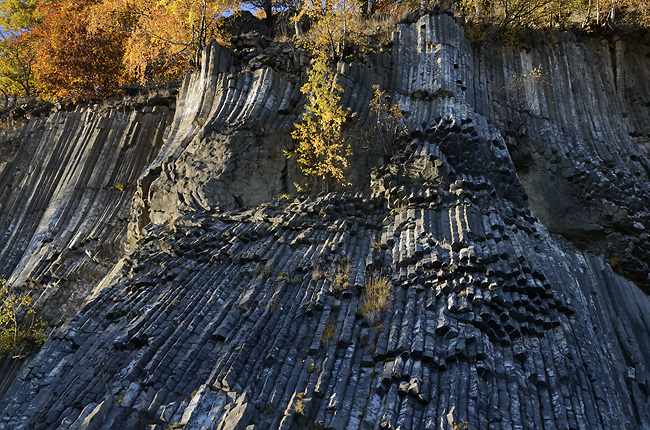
(513, 225)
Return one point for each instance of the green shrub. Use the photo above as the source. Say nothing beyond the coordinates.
(20, 326)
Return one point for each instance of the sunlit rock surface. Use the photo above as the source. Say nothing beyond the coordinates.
(231, 310)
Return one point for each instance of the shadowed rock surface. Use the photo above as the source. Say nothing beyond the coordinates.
(232, 310)
(66, 197)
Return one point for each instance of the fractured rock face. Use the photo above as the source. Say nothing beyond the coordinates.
(254, 318)
(230, 317)
(210, 173)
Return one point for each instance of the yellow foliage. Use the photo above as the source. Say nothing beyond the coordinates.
(165, 38)
(511, 13)
(17, 17)
(515, 89)
(336, 25)
(393, 7)
(321, 151)
(511, 16)
(386, 122)
(635, 12)
(18, 331)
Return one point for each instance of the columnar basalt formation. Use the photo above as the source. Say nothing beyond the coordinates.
(246, 312)
(574, 114)
(225, 148)
(66, 198)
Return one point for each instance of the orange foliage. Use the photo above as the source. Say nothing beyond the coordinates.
(164, 39)
(72, 62)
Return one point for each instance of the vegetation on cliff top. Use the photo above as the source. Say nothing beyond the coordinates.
(74, 50)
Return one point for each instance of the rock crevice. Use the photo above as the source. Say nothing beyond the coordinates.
(236, 310)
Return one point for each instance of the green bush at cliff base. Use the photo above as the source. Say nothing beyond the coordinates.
(20, 327)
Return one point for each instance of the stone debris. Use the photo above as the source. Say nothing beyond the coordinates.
(231, 314)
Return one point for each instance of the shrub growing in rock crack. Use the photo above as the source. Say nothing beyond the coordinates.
(299, 404)
(20, 326)
(386, 123)
(329, 333)
(376, 298)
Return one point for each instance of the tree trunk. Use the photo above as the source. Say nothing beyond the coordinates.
(201, 35)
(268, 11)
(586, 20)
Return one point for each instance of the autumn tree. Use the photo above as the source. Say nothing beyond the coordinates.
(74, 62)
(638, 11)
(630, 12)
(321, 151)
(387, 7)
(510, 14)
(16, 73)
(17, 18)
(335, 26)
(19, 324)
(163, 39)
(515, 15)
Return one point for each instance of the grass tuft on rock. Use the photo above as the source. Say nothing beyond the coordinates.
(376, 298)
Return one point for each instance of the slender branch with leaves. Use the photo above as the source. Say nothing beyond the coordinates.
(386, 123)
(20, 326)
(321, 151)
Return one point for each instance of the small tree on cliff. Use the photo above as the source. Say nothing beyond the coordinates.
(19, 324)
(386, 123)
(321, 151)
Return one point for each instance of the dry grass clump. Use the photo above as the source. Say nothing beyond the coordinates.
(342, 276)
(299, 404)
(376, 298)
(329, 333)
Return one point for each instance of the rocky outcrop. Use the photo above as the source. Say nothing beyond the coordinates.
(66, 186)
(573, 112)
(251, 318)
(225, 146)
(66, 199)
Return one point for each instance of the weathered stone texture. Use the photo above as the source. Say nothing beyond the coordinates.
(66, 198)
(251, 318)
